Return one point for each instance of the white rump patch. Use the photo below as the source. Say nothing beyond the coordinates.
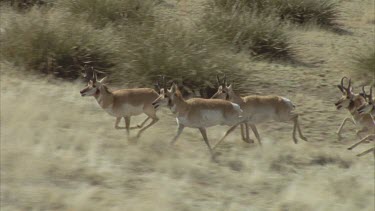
(287, 101)
(237, 108)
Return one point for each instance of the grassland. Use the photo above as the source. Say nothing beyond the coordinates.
(59, 151)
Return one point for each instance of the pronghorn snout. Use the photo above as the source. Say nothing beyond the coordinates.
(338, 105)
(82, 93)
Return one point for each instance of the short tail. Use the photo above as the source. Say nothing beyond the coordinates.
(289, 103)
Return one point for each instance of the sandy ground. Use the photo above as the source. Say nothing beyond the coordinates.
(59, 151)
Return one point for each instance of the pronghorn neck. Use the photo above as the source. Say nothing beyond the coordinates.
(355, 104)
(104, 97)
(179, 104)
(236, 99)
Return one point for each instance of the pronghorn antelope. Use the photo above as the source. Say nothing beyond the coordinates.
(368, 108)
(199, 113)
(257, 109)
(244, 126)
(123, 103)
(352, 102)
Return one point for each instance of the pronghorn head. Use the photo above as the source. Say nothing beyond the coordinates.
(222, 91)
(370, 105)
(347, 95)
(93, 86)
(167, 97)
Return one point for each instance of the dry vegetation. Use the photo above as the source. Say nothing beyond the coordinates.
(59, 151)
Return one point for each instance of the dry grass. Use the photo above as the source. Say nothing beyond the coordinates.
(54, 161)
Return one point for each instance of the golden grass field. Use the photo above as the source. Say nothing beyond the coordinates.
(60, 151)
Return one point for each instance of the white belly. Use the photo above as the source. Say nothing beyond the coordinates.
(207, 118)
(124, 110)
(130, 110)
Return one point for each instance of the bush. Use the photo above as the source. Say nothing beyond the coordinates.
(53, 43)
(191, 58)
(24, 4)
(261, 36)
(103, 12)
(365, 62)
(323, 12)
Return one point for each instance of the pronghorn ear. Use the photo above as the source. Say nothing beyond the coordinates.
(174, 88)
(230, 86)
(103, 80)
(162, 92)
(351, 89)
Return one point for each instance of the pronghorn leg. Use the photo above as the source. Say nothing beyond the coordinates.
(204, 134)
(343, 123)
(295, 120)
(226, 134)
(358, 132)
(118, 119)
(366, 152)
(242, 132)
(255, 131)
(127, 124)
(179, 131)
(361, 141)
(300, 131)
(245, 133)
(154, 120)
(143, 123)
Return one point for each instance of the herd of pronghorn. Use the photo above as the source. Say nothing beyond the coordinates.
(224, 108)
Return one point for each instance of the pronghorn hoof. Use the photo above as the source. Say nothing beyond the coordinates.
(249, 141)
(350, 148)
(304, 138)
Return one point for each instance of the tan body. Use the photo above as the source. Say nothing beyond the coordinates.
(200, 113)
(124, 103)
(363, 113)
(352, 102)
(257, 109)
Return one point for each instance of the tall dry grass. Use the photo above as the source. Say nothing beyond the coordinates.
(322, 12)
(260, 36)
(52, 42)
(59, 151)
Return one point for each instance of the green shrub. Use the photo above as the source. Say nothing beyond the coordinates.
(51, 42)
(24, 4)
(191, 58)
(103, 12)
(365, 62)
(261, 36)
(323, 12)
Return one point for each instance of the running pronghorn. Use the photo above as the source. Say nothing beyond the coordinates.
(123, 103)
(244, 126)
(257, 109)
(368, 108)
(353, 102)
(199, 113)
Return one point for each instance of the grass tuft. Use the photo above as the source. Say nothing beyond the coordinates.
(103, 12)
(322, 12)
(365, 62)
(262, 36)
(52, 43)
